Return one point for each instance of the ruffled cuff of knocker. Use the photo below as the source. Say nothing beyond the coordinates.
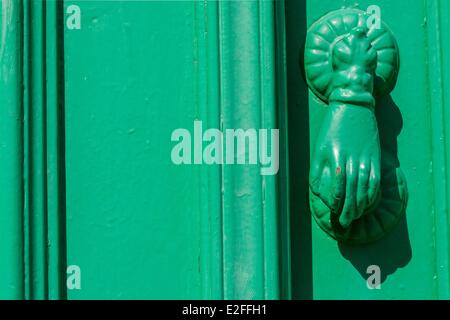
(348, 96)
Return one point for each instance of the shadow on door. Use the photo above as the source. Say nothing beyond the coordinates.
(298, 131)
(391, 252)
(394, 250)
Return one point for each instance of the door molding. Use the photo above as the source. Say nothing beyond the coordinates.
(32, 254)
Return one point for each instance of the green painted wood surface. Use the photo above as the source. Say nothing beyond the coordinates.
(87, 117)
(11, 153)
(413, 123)
(138, 225)
(248, 101)
(133, 222)
(32, 252)
(85, 123)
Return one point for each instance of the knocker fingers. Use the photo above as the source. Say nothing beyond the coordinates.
(374, 181)
(362, 199)
(349, 208)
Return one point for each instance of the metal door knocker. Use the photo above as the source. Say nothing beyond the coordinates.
(348, 65)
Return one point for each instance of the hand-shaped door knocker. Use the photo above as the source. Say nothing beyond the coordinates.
(354, 197)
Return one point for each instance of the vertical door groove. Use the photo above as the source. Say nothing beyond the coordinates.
(31, 156)
(249, 200)
(440, 157)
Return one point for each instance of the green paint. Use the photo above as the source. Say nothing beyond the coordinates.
(250, 225)
(11, 153)
(35, 151)
(437, 58)
(30, 247)
(90, 138)
(214, 251)
(133, 217)
(55, 155)
(358, 192)
(283, 173)
(207, 86)
(412, 257)
(85, 123)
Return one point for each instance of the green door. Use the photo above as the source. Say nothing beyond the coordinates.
(412, 124)
(97, 97)
(130, 80)
(138, 224)
(121, 183)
